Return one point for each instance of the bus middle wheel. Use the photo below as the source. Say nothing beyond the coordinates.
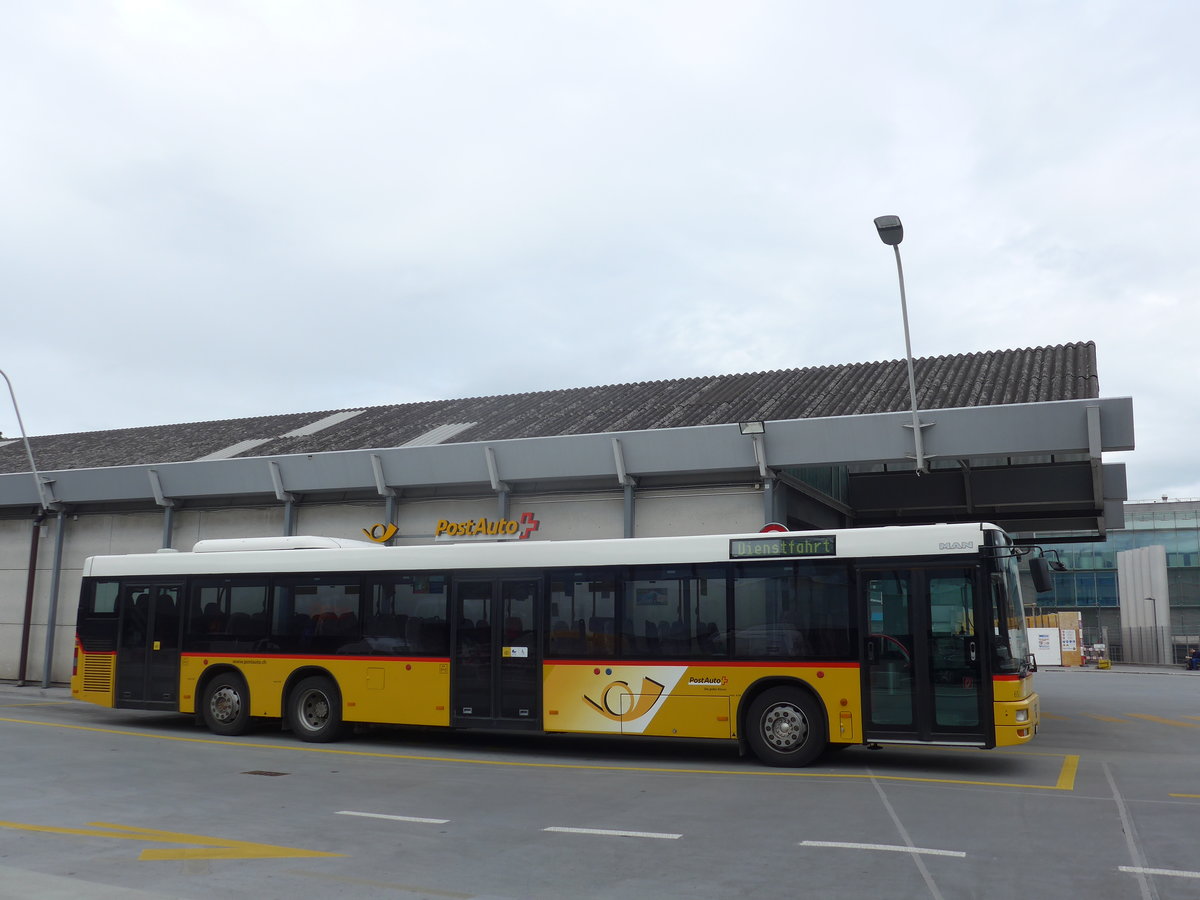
(225, 705)
(316, 710)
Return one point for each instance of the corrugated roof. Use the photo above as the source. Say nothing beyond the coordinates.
(1038, 374)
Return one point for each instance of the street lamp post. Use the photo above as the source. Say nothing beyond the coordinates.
(891, 232)
(37, 478)
(44, 508)
(1158, 641)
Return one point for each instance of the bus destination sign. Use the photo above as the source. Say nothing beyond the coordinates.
(768, 546)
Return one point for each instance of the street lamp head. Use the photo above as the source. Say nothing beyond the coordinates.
(891, 232)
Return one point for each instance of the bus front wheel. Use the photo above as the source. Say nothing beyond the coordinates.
(316, 710)
(225, 705)
(785, 727)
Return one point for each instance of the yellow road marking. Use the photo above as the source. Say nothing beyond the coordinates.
(213, 847)
(1107, 718)
(1189, 796)
(1066, 778)
(1162, 721)
(1069, 762)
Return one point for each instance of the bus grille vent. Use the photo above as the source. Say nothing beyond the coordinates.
(98, 674)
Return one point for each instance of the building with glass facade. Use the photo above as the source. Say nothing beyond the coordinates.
(1089, 585)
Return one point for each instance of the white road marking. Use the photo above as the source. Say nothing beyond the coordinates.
(609, 833)
(1147, 888)
(1142, 870)
(895, 848)
(927, 876)
(348, 812)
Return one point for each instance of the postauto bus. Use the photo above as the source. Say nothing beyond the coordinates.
(789, 643)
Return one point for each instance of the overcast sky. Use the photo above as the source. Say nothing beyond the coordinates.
(213, 210)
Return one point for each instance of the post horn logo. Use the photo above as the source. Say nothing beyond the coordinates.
(381, 533)
(616, 696)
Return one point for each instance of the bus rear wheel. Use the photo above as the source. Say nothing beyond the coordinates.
(785, 727)
(225, 705)
(316, 710)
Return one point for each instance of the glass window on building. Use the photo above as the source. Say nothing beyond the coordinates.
(1064, 590)
(1106, 589)
(1183, 586)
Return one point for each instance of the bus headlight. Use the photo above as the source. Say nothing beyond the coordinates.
(1022, 715)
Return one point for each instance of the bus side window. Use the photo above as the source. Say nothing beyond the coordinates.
(581, 614)
(405, 615)
(226, 615)
(97, 620)
(794, 611)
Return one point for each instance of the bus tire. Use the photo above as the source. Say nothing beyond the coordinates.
(785, 727)
(316, 710)
(225, 706)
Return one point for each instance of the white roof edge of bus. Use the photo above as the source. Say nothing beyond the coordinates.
(340, 554)
(293, 542)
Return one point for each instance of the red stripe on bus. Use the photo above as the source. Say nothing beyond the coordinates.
(695, 662)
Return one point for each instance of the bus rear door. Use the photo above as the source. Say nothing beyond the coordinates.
(148, 645)
(496, 658)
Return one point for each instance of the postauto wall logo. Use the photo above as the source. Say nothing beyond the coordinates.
(483, 529)
(487, 529)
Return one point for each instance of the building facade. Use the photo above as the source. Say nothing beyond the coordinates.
(1013, 437)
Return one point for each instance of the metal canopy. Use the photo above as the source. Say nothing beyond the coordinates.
(1023, 466)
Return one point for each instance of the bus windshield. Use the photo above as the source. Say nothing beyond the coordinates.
(1010, 641)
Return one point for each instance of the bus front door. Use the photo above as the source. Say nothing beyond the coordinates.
(497, 661)
(923, 670)
(148, 646)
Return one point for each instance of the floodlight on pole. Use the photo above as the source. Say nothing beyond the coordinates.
(891, 232)
(37, 478)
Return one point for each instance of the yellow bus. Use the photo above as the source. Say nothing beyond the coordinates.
(789, 643)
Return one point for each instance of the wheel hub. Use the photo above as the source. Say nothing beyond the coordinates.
(785, 727)
(225, 705)
(315, 710)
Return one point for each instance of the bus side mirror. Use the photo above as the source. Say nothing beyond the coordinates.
(1039, 568)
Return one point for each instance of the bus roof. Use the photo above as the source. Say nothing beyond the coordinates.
(317, 554)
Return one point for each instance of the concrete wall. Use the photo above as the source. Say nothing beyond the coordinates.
(1145, 604)
(83, 536)
(561, 516)
(712, 511)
